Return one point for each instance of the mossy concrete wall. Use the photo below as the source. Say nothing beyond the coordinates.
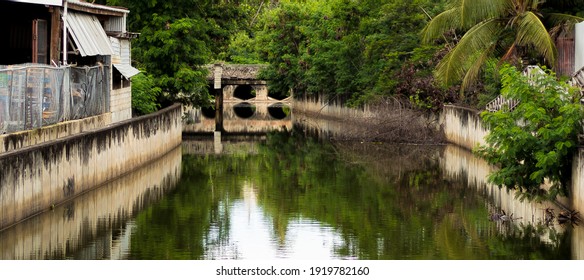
(577, 193)
(34, 178)
(463, 126)
(23, 139)
(88, 227)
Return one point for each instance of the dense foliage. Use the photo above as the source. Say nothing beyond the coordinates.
(144, 94)
(177, 38)
(536, 141)
(510, 30)
(352, 50)
(346, 49)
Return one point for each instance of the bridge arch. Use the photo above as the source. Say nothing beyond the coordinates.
(244, 92)
(279, 111)
(233, 83)
(277, 95)
(244, 110)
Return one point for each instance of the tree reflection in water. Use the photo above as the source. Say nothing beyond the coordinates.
(379, 201)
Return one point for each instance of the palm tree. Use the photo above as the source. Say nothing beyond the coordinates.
(504, 29)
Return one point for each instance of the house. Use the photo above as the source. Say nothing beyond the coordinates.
(62, 60)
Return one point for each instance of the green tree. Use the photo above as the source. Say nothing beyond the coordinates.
(509, 30)
(178, 37)
(345, 49)
(537, 140)
(144, 94)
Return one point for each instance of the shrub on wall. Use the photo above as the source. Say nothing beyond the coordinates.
(537, 140)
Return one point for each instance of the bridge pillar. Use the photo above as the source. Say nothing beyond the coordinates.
(218, 91)
(228, 91)
(262, 110)
(261, 92)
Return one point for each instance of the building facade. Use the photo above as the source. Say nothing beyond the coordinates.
(62, 60)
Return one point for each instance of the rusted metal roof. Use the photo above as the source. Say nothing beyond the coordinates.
(88, 34)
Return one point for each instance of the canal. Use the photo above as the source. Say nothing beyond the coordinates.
(296, 195)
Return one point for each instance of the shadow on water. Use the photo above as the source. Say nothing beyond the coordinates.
(96, 225)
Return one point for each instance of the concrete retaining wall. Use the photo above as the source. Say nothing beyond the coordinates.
(577, 193)
(34, 178)
(23, 139)
(463, 126)
(86, 227)
(323, 108)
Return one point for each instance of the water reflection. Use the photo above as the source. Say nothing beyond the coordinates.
(294, 196)
(300, 197)
(460, 164)
(96, 225)
(253, 236)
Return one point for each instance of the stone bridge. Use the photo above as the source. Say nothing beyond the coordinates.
(240, 82)
(242, 103)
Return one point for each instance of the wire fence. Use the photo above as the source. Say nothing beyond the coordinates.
(34, 95)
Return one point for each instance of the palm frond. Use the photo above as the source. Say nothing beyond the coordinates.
(474, 70)
(532, 32)
(441, 23)
(463, 14)
(454, 65)
(535, 4)
(475, 11)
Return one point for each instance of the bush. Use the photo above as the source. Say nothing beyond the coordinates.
(536, 140)
(144, 94)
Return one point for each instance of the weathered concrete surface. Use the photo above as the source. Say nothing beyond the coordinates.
(36, 177)
(260, 122)
(463, 126)
(121, 104)
(23, 139)
(385, 121)
(460, 163)
(260, 90)
(330, 109)
(88, 226)
(577, 190)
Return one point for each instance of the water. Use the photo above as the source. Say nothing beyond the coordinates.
(293, 196)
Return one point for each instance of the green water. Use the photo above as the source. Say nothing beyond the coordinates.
(292, 196)
(300, 198)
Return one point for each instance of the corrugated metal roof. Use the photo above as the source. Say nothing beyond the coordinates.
(89, 36)
(100, 7)
(43, 2)
(127, 70)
